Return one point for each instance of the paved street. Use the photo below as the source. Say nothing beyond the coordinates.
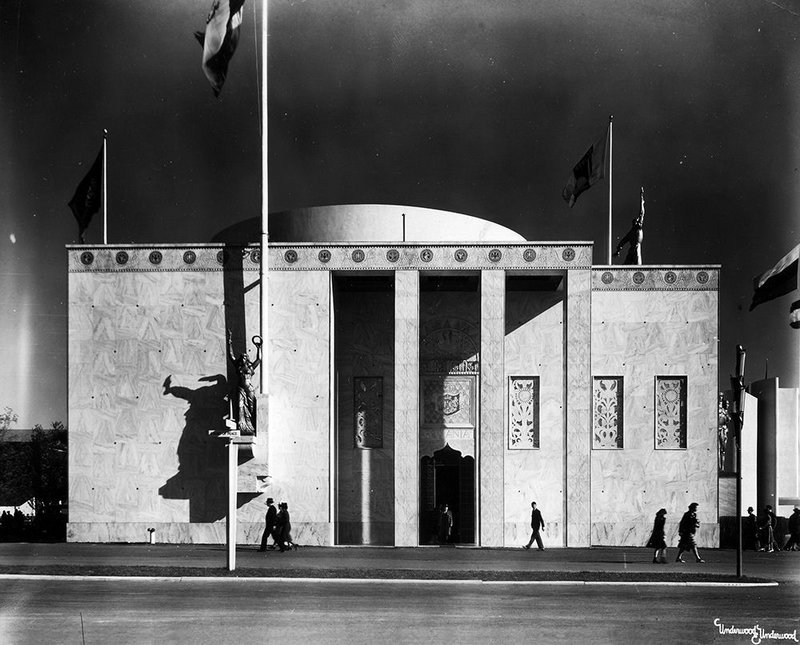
(52, 609)
(240, 611)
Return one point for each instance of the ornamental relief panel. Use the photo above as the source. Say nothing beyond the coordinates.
(670, 431)
(523, 412)
(448, 401)
(607, 417)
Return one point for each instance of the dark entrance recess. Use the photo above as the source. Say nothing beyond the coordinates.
(447, 478)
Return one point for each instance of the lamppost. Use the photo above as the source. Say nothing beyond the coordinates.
(737, 385)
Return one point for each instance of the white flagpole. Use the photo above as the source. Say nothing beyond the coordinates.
(264, 209)
(610, 177)
(105, 192)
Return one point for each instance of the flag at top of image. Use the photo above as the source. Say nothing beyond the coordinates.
(86, 200)
(219, 40)
(778, 281)
(587, 172)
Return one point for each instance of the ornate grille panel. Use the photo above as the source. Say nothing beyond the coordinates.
(608, 412)
(447, 401)
(523, 412)
(670, 412)
(368, 411)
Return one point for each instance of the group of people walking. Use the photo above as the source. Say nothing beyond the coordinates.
(686, 531)
(758, 532)
(278, 526)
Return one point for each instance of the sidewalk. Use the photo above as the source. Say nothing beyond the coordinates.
(591, 564)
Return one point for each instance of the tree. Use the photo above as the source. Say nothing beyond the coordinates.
(7, 417)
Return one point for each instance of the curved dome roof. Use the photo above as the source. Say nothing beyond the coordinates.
(369, 223)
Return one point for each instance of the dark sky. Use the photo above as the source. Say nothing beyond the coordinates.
(476, 107)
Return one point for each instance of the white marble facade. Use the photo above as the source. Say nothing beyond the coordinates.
(141, 455)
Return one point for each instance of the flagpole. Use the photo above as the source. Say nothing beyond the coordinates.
(610, 177)
(105, 195)
(264, 209)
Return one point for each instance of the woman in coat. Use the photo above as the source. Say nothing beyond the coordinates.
(657, 539)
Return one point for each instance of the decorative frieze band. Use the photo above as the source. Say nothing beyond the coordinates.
(387, 257)
(129, 258)
(639, 278)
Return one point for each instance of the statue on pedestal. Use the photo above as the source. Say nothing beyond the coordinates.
(245, 392)
(633, 237)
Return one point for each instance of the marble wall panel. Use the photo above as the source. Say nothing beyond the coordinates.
(492, 401)
(364, 339)
(579, 400)
(137, 451)
(534, 346)
(406, 408)
(299, 403)
(640, 335)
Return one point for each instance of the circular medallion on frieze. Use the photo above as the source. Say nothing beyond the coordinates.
(87, 257)
(426, 255)
(290, 256)
(529, 255)
(122, 257)
(670, 277)
(358, 255)
(222, 256)
(155, 257)
(189, 257)
(393, 255)
(607, 277)
(702, 277)
(324, 256)
(568, 254)
(495, 255)
(638, 277)
(461, 255)
(255, 256)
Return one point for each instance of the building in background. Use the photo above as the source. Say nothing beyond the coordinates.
(415, 358)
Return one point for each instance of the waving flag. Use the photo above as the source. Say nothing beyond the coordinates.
(219, 40)
(587, 172)
(86, 200)
(778, 281)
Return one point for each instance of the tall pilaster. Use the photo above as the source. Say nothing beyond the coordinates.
(406, 408)
(578, 396)
(492, 397)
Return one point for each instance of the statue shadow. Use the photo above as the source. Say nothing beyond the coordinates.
(202, 458)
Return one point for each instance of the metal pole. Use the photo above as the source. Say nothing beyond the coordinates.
(737, 384)
(264, 209)
(610, 177)
(105, 192)
(230, 527)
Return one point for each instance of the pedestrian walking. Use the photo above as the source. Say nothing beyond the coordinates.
(269, 524)
(657, 539)
(445, 523)
(686, 530)
(766, 525)
(750, 531)
(537, 523)
(793, 543)
(283, 528)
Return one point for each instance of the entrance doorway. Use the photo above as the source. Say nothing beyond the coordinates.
(447, 478)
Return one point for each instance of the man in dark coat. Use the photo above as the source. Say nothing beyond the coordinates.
(794, 531)
(269, 527)
(686, 529)
(536, 523)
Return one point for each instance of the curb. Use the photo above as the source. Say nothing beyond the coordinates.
(396, 581)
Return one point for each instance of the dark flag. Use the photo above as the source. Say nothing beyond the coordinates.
(86, 200)
(587, 172)
(219, 40)
(778, 281)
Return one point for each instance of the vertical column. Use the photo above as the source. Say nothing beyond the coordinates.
(492, 398)
(230, 525)
(578, 418)
(406, 408)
